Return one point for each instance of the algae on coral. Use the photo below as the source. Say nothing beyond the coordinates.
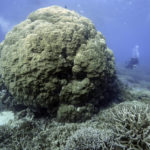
(57, 57)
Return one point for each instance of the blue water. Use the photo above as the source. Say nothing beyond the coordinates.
(124, 23)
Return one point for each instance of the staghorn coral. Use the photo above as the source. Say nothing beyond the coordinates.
(130, 122)
(5, 134)
(29, 134)
(89, 139)
(126, 126)
(19, 137)
(54, 136)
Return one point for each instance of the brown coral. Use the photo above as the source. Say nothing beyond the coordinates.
(56, 56)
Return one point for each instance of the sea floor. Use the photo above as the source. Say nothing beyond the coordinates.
(137, 80)
(116, 127)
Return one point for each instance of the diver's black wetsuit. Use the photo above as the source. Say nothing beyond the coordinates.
(132, 63)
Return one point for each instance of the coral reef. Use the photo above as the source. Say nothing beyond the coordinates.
(28, 133)
(130, 122)
(54, 136)
(6, 99)
(89, 139)
(69, 113)
(125, 126)
(57, 57)
(56, 63)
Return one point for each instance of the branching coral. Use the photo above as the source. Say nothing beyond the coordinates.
(30, 134)
(130, 123)
(125, 126)
(89, 139)
(54, 137)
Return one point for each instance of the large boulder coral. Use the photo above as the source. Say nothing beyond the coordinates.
(57, 57)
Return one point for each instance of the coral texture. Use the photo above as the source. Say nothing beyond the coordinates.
(88, 139)
(57, 57)
(126, 126)
(130, 122)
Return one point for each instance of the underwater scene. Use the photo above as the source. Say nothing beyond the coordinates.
(74, 75)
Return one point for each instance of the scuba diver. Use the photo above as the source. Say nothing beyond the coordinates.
(134, 61)
(65, 6)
